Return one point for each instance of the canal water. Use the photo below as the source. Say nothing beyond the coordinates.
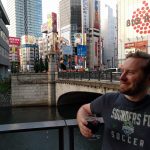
(43, 139)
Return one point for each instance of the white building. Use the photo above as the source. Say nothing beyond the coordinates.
(109, 35)
(25, 17)
(133, 27)
(29, 53)
(94, 34)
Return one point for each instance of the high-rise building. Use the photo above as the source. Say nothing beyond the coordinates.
(4, 46)
(108, 33)
(25, 17)
(70, 19)
(80, 26)
(94, 52)
(69, 25)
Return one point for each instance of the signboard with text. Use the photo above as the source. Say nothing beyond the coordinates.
(82, 50)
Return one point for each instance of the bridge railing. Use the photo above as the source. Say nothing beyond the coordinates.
(89, 75)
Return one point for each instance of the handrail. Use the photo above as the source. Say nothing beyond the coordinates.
(43, 125)
(89, 75)
(32, 126)
(19, 127)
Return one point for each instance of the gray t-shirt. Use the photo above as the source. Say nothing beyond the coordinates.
(127, 124)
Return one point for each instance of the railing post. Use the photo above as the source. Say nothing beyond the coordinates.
(99, 72)
(71, 138)
(89, 75)
(61, 138)
(80, 75)
(74, 75)
(110, 76)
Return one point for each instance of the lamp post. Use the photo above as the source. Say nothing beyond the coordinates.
(114, 55)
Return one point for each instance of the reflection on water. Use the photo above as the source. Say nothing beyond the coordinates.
(31, 114)
(45, 139)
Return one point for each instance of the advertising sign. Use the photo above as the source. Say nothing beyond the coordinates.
(135, 18)
(84, 39)
(65, 32)
(14, 53)
(78, 38)
(82, 50)
(28, 39)
(14, 41)
(44, 28)
(96, 14)
(136, 46)
(67, 50)
(85, 15)
(52, 22)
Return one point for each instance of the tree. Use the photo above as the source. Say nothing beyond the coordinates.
(41, 65)
(36, 65)
(46, 63)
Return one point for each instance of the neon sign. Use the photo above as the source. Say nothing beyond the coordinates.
(140, 19)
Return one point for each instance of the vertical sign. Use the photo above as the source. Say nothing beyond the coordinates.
(96, 14)
(54, 22)
(85, 16)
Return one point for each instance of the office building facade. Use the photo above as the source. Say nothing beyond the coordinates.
(29, 53)
(4, 45)
(70, 19)
(133, 27)
(25, 17)
(80, 26)
(109, 36)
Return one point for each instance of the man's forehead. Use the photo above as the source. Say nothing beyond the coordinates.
(133, 62)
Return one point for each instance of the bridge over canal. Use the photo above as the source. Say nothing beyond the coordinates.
(47, 89)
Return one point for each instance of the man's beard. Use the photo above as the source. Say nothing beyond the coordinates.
(138, 87)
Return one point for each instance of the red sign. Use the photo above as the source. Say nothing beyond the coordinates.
(14, 41)
(139, 45)
(54, 22)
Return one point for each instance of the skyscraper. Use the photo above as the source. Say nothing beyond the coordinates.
(70, 19)
(25, 17)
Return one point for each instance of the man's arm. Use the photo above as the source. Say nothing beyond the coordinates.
(82, 113)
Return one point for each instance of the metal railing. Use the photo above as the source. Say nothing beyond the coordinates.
(89, 75)
(45, 125)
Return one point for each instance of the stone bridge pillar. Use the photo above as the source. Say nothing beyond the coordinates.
(51, 80)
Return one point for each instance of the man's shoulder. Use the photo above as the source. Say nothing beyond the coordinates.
(112, 94)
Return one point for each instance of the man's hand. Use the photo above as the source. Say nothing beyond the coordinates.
(83, 112)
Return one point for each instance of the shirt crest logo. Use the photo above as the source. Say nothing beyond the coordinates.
(128, 128)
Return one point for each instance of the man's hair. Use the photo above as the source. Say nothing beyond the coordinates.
(142, 55)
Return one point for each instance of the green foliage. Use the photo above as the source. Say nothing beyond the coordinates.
(14, 67)
(41, 65)
(46, 63)
(5, 85)
(36, 66)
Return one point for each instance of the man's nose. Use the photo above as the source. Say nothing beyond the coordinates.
(123, 75)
